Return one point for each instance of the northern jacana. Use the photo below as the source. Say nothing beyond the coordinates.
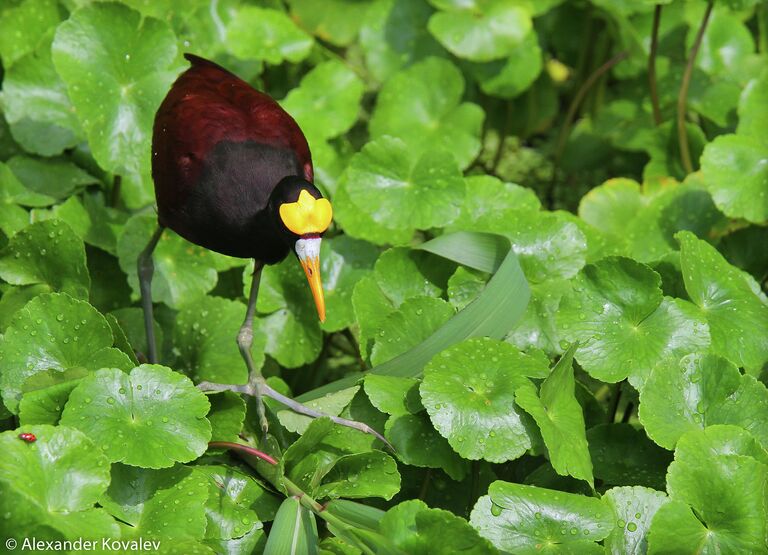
(233, 173)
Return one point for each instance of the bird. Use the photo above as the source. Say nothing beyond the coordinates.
(233, 173)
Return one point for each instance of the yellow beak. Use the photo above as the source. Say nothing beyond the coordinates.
(308, 252)
(312, 270)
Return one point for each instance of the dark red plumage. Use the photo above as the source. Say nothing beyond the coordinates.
(219, 149)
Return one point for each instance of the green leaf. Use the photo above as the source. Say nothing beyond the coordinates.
(130, 322)
(403, 274)
(492, 314)
(634, 509)
(537, 329)
(426, 117)
(399, 189)
(327, 102)
(481, 30)
(150, 418)
(548, 246)
(294, 530)
(49, 253)
(292, 328)
(226, 416)
(623, 455)
(54, 331)
(205, 335)
(511, 76)
(753, 108)
(413, 322)
(736, 175)
(53, 177)
(60, 472)
(715, 474)
(519, 519)
(416, 529)
(560, 418)
(464, 286)
(183, 271)
(360, 224)
(167, 503)
(394, 35)
(418, 444)
(266, 34)
(37, 106)
(371, 474)
(318, 449)
(731, 307)
(24, 26)
(235, 503)
(53, 483)
(698, 391)
(623, 324)
(14, 191)
(45, 405)
(469, 393)
(646, 219)
(343, 263)
(392, 395)
(335, 21)
(491, 205)
(131, 79)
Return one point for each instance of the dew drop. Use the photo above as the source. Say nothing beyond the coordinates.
(631, 526)
(495, 509)
(110, 401)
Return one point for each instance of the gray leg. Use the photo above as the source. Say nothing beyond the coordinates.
(146, 267)
(257, 387)
(245, 340)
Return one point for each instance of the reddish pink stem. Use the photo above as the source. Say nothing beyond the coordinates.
(243, 448)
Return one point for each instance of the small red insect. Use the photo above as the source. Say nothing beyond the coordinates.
(28, 437)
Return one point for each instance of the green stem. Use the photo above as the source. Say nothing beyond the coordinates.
(116, 186)
(682, 97)
(503, 136)
(614, 407)
(652, 65)
(309, 503)
(565, 130)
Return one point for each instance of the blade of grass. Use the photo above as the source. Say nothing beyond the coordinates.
(682, 97)
(492, 314)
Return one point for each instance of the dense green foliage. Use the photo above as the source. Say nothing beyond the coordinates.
(561, 295)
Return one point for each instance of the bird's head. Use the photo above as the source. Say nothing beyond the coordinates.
(303, 216)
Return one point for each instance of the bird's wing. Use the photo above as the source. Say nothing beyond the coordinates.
(206, 105)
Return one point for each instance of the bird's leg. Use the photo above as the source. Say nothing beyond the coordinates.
(145, 268)
(244, 342)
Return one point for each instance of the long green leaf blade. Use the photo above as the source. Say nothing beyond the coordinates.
(294, 531)
(495, 311)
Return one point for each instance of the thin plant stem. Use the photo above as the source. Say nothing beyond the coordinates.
(652, 66)
(115, 193)
(247, 449)
(682, 97)
(503, 136)
(309, 503)
(565, 130)
(614, 407)
(628, 412)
